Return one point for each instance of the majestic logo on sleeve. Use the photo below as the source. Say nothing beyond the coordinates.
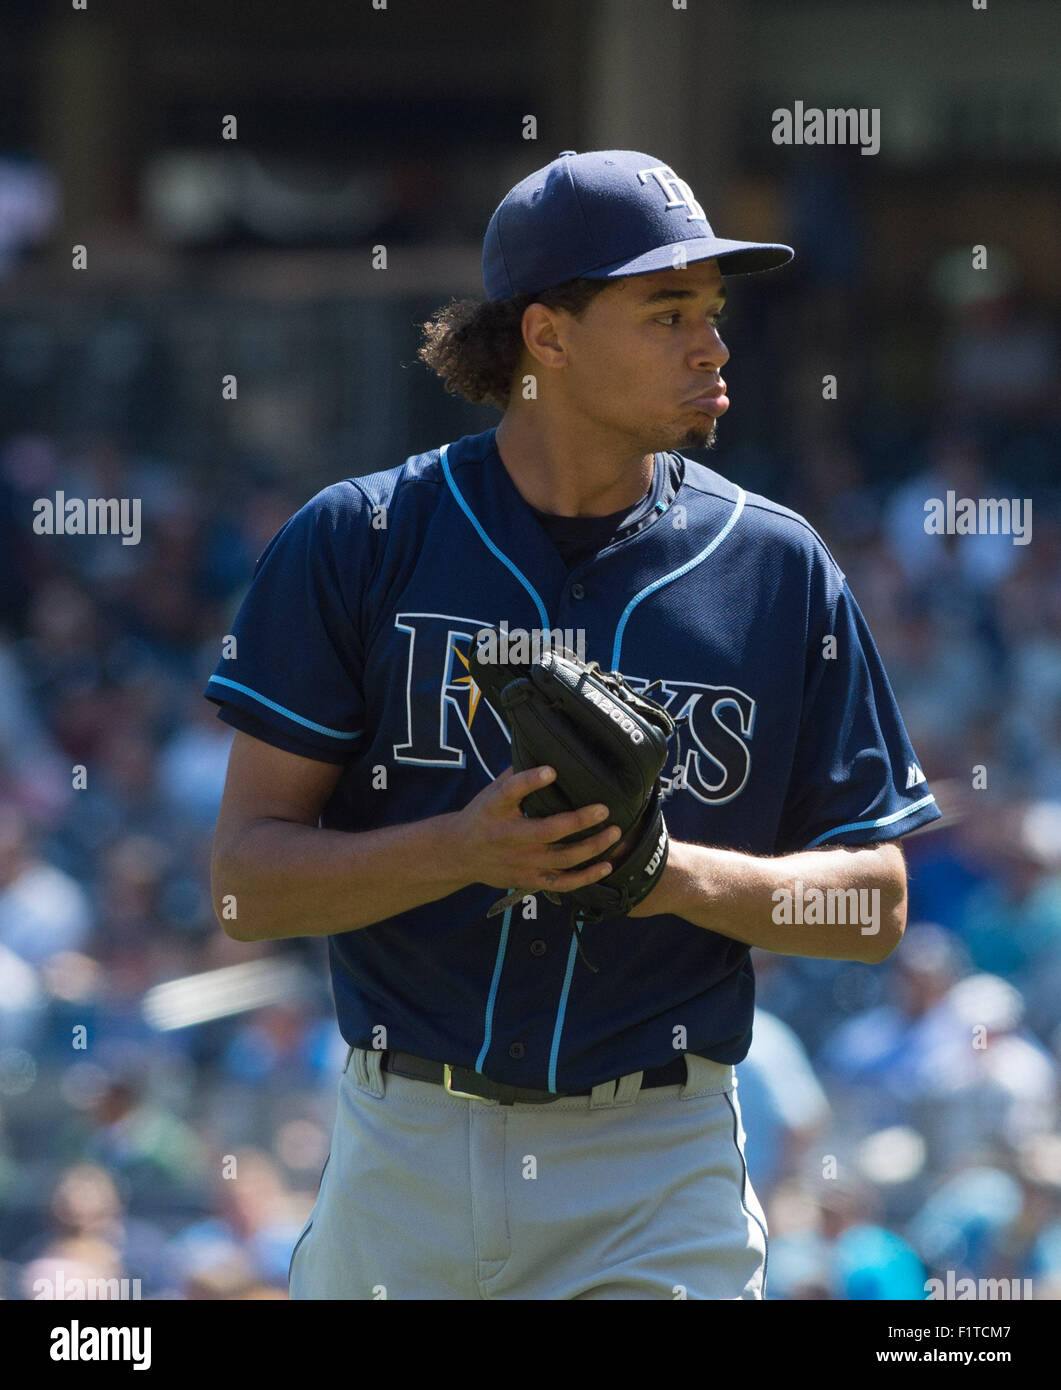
(446, 720)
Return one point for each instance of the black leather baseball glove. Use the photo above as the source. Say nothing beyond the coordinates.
(608, 744)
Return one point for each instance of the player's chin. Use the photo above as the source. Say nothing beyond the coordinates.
(703, 434)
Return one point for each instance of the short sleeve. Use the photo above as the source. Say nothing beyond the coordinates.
(291, 668)
(855, 777)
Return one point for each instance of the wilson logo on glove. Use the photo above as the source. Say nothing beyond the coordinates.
(654, 863)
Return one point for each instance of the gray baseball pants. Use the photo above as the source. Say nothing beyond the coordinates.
(622, 1194)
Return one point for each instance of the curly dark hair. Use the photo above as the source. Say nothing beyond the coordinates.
(475, 346)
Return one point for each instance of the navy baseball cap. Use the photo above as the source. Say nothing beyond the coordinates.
(603, 214)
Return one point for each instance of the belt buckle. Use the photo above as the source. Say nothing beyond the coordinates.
(447, 1074)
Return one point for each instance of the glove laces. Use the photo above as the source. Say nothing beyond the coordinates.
(576, 929)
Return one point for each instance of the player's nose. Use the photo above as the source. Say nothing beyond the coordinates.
(711, 351)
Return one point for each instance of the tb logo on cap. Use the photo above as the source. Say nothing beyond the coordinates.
(675, 190)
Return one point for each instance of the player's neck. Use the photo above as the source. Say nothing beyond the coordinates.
(570, 471)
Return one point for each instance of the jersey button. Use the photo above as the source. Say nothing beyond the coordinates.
(516, 1051)
(537, 947)
(577, 591)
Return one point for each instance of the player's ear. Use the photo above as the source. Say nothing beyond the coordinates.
(543, 334)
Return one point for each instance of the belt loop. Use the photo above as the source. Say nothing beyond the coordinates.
(627, 1090)
(706, 1078)
(368, 1075)
(602, 1095)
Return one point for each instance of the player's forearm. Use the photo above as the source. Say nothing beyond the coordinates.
(278, 879)
(840, 904)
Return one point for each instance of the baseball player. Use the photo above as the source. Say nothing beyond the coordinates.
(516, 1121)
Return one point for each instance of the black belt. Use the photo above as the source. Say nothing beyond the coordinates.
(463, 1081)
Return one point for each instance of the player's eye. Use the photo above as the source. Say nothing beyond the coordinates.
(669, 320)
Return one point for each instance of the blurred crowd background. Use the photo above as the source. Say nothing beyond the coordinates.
(903, 1119)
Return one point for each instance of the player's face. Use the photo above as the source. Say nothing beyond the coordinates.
(645, 359)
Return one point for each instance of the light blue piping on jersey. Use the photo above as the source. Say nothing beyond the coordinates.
(489, 543)
(287, 713)
(674, 574)
(872, 824)
(559, 1028)
(501, 948)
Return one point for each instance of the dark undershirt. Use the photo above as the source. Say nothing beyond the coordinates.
(578, 537)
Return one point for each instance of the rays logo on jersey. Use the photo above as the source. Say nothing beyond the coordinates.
(447, 720)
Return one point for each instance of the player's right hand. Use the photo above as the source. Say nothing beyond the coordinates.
(503, 848)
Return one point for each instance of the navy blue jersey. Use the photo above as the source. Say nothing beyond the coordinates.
(352, 647)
